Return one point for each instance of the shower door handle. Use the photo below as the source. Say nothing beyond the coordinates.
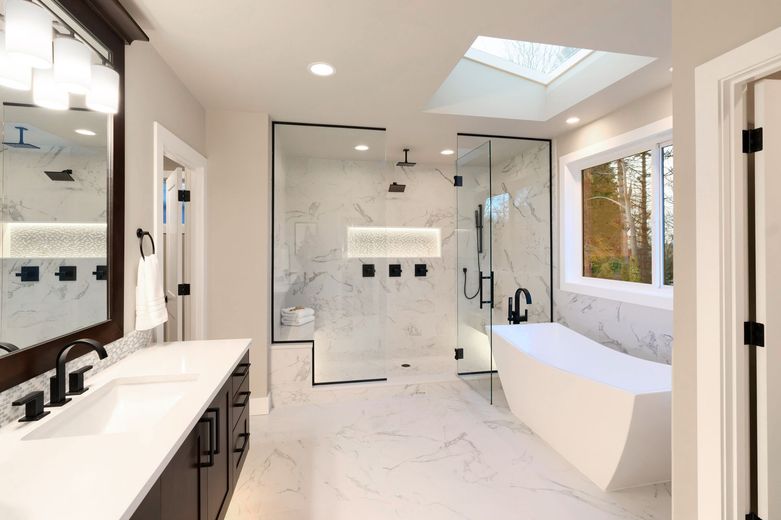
(491, 292)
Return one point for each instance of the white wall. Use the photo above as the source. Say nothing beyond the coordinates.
(238, 234)
(637, 330)
(702, 30)
(152, 93)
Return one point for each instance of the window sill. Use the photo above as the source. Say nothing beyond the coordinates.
(628, 292)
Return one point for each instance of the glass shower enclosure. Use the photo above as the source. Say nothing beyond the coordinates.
(504, 235)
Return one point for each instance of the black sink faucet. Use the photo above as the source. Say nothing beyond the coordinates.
(8, 347)
(57, 382)
(514, 316)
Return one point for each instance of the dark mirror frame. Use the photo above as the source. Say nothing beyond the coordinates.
(111, 24)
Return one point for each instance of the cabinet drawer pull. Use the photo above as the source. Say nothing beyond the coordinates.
(243, 403)
(216, 412)
(241, 370)
(245, 436)
(210, 452)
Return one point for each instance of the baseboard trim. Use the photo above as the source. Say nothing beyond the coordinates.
(260, 405)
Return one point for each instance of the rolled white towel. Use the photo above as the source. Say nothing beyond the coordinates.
(298, 322)
(297, 312)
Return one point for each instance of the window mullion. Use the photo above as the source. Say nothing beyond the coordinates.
(657, 219)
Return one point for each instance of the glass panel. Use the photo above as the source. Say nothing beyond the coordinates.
(507, 181)
(617, 210)
(539, 57)
(473, 232)
(668, 222)
(323, 190)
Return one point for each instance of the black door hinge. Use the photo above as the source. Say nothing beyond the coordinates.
(184, 195)
(458, 181)
(754, 334)
(459, 353)
(752, 140)
(183, 289)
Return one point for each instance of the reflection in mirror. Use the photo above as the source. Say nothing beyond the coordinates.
(54, 222)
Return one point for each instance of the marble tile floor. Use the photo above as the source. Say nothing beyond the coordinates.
(430, 451)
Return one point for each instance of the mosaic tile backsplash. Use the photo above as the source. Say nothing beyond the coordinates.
(117, 351)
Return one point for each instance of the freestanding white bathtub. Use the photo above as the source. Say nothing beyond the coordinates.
(606, 412)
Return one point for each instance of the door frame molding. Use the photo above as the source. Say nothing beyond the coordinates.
(166, 143)
(721, 264)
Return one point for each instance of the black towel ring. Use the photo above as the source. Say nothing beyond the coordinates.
(140, 233)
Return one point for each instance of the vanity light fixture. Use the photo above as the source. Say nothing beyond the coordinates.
(447, 151)
(361, 147)
(103, 95)
(321, 68)
(13, 74)
(573, 120)
(47, 93)
(72, 64)
(28, 33)
(84, 131)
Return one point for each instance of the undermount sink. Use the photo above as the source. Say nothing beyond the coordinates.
(122, 405)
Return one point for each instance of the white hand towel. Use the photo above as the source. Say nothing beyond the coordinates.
(299, 322)
(296, 312)
(150, 299)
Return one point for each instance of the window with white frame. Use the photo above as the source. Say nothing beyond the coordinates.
(617, 224)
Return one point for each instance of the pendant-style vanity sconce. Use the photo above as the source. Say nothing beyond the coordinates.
(55, 68)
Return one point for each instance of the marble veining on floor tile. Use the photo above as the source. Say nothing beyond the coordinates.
(425, 451)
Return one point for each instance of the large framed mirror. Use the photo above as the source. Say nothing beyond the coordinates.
(62, 194)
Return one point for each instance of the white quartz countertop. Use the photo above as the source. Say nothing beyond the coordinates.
(105, 477)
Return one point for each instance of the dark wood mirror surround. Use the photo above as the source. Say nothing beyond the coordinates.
(110, 23)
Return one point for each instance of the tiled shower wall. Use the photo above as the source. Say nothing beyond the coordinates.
(364, 326)
(117, 351)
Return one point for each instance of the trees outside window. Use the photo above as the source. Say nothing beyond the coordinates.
(618, 217)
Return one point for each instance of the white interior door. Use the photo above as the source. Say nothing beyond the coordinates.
(767, 115)
(172, 270)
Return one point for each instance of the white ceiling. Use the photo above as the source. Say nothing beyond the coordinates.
(390, 57)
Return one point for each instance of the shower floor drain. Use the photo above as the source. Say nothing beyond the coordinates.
(405, 365)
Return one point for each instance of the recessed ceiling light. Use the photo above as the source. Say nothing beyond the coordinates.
(447, 151)
(573, 120)
(670, 69)
(321, 68)
(361, 147)
(84, 131)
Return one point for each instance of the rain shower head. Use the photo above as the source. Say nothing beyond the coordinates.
(395, 187)
(64, 175)
(405, 162)
(21, 143)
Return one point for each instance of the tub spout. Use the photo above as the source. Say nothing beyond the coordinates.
(514, 316)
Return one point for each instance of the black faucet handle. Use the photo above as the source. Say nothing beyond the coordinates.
(76, 380)
(33, 406)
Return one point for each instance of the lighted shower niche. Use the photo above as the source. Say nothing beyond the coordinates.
(377, 242)
(347, 247)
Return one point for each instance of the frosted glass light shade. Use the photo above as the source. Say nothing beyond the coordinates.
(47, 93)
(103, 95)
(28, 33)
(13, 74)
(72, 64)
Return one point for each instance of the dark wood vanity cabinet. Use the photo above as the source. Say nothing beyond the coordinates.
(198, 482)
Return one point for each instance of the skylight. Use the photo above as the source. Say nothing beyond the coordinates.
(538, 62)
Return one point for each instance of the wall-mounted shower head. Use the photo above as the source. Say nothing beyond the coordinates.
(21, 143)
(64, 175)
(395, 187)
(405, 162)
